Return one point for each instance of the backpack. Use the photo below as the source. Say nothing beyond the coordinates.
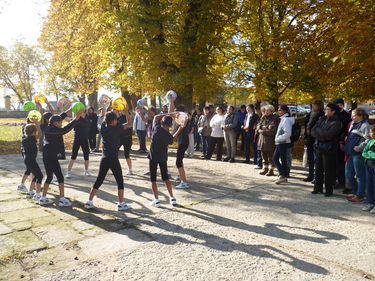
(296, 132)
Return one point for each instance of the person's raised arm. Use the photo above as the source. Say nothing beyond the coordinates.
(171, 107)
(129, 121)
(50, 107)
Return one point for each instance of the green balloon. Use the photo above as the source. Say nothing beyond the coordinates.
(77, 107)
(29, 105)
(34, 115)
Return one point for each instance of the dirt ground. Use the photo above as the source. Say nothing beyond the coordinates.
(231, 224)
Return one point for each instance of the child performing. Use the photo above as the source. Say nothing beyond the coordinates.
(53, 150)
(111, 132)
(158, 155)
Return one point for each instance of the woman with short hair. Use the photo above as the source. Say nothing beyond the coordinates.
(266, 129)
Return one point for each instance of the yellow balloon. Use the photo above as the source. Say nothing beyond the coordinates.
(40, 98)
(118, 105)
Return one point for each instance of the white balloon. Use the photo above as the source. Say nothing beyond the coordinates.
(171, 95)
(181, 119)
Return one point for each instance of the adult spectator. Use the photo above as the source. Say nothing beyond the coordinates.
(358, 133)
(344, 118)
(197, 139)
(204, 129)
(267, 128)
(139, 126)
(310, 121)
(283, 143)
(249, 123)
(241, 114)
(326, 133)
(229, 127)
(217, 135)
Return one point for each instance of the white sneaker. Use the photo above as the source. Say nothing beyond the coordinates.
(177, 178)
(130, 172)
(123, 206)
(89, 205)
(43, 201)
(182, 185)
(29, 194)
(173, 201)
(22, 188)
(87, 173)
(37, 196)
(64, 202)
(368, 207)
(155, 203)
(68, 175)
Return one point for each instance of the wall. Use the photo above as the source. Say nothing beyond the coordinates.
(13, 114)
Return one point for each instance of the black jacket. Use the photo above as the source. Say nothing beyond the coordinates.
(327, 129)
(310, 122)
(53, 142)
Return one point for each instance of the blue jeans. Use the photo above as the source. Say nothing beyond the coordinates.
(142, 139)
(259, 158)
(370, 185)
(355, 174)
(281, 153)
(205, 141)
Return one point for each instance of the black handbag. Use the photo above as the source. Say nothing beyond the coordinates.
(324, 146)
(370, 163)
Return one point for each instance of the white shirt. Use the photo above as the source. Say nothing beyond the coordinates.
(216, 122)
(138, 123)
(284, 130)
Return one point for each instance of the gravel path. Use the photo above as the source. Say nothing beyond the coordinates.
(232, 225)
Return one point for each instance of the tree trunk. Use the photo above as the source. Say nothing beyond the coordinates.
(153, 101)
(93, 99)
(185, 97)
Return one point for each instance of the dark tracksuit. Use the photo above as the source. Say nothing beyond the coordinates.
(126, 139)
(111, 145)
(93, 130)
(183, 144)
(81, 138)
(53, 149)
(29, 152)
(158, 154)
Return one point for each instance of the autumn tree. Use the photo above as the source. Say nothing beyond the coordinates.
(19, 70)
(70, 34)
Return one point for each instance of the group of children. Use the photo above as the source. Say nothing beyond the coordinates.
(115, 131)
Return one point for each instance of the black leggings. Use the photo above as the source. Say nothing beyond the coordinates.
(106, 164)
(52, 166)
(182, 147)
(84, 144)
(32, 166)
(127, 143)
(92, 140)
(163, 170)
